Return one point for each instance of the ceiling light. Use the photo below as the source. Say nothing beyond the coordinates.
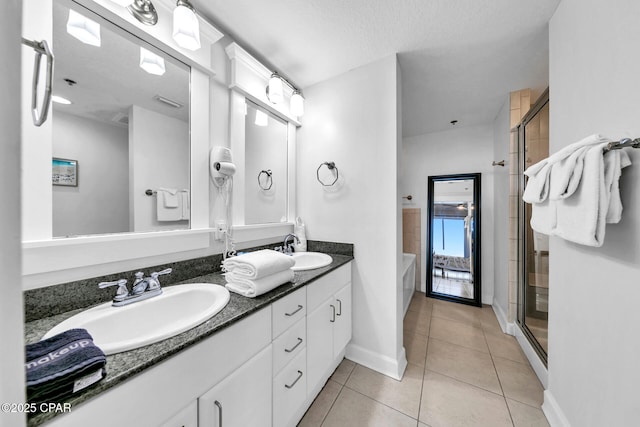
(84, 29)
(151, 63)
(296, 106)
(143, 11)
(123, 3)
(186, 29)
(261, 118)
(60, 100)
(275, 92)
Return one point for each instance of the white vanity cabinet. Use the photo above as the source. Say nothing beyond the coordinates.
(242, 399)
(328, 325)
(187, 417)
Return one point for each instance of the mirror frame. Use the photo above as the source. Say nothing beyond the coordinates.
(477, 273)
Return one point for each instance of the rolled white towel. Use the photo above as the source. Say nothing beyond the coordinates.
(254, 287)
(258, 264)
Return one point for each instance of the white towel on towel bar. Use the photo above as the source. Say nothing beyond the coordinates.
(170, 197)
(164, 212)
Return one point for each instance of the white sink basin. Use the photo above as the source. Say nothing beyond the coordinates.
(310, 260)
(178, 309)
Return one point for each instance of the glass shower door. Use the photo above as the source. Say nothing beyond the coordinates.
(533, 286)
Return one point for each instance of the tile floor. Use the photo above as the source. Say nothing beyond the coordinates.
(462, 371)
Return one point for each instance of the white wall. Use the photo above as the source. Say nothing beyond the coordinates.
(459, 150)
(158, 157)
(501, 133)
(11, 316)
(100, 202)
(352, 120)
(594, 292)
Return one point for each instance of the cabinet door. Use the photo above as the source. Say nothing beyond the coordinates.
(320, 342)
(242, 399)
(342, 326)
(187, 417)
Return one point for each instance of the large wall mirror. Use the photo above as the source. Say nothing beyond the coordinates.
(266, 156)
(126, 128)
(453, 255)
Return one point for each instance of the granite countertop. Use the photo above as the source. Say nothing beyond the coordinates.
(122, 366)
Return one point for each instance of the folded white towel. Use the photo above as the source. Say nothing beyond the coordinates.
(581, 218)
(258, 264)
(165, 213)
(255, 287)
(614, 162)
(538, 185)
(544, 217)
(565, 174)
(170, 197)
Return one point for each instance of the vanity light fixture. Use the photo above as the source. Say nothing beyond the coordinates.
(84, 29)
(60, 100)
(186, 29)
(262, 119)
(275, 94)
(151, 63)
(143, 11)
(296, 106)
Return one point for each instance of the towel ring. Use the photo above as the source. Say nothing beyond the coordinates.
(331, 166)
(269, 179)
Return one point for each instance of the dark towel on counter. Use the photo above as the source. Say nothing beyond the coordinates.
(62, 365)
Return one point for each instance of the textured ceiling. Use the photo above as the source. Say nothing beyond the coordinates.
(459, 58)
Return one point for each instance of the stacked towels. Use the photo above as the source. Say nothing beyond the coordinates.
(575, 192)
(62, 365)
(255, 273)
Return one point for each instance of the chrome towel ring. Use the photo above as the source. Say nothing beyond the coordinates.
(268, 180)
(332, 167)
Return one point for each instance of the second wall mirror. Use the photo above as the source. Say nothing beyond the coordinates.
(453, 239)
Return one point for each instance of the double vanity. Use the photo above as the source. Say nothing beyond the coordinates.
(258, 361)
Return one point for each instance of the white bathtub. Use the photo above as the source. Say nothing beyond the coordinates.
(408, 279)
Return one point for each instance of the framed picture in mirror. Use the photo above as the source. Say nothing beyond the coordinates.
(64, 172)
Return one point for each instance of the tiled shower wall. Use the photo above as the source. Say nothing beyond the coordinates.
(411, 233)
(520, 104)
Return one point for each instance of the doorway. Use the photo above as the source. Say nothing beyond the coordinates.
(453, 236)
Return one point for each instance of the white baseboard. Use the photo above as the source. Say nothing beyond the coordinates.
(505, 325)
(532, 356)
(383, 364)
(552, 411)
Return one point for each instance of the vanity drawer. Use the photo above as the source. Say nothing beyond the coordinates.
(288, 345)
(288, 310)
(326, 286)
(290, 390)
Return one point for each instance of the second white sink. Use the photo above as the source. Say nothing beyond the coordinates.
(178, 309)
(310, 260)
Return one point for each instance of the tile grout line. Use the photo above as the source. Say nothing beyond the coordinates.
(424, 370)
(493, 363)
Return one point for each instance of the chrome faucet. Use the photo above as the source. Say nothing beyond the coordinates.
(143, 288)
(287, 249)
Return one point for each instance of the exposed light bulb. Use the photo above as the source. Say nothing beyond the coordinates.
(186, 28)
(262, 119)
(151, 63)
(276, 92)
(297, 104)
(84, 29)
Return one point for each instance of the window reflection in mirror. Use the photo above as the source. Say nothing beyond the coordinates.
(127, 126)
(265, 167)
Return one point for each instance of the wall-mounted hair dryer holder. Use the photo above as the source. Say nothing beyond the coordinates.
(221, 165)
